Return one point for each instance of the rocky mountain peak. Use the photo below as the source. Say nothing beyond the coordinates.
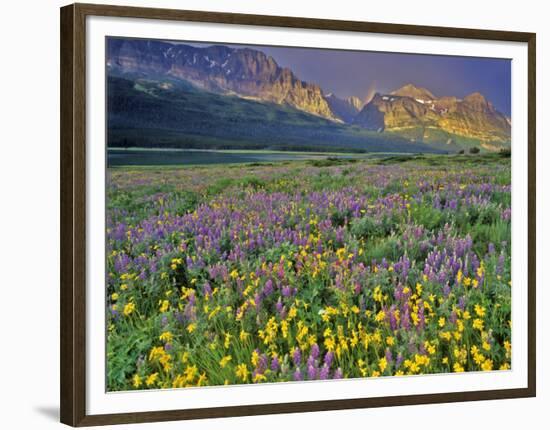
(415, 108)
(241, 71)
(410, 90)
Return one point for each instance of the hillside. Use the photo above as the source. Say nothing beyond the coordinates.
(173, 113)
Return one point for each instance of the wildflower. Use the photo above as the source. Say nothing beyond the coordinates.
(129, 308)
(243, 336)
(164, 305)
(296, 356)
(330, 344)
(151, 379)
(487, 365)
(329, 356)
(311, 372)
(458, 368)
(479, 310)
(224, 361)
(478, 324)
(255, 358)
(202, 379)
(136, 381)
(242, 372)
(382, 364)
(190, 373)
(259, 377)
(274, 364)
(324, 372)
(166, 337)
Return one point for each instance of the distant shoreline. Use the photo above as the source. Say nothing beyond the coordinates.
(262, 151)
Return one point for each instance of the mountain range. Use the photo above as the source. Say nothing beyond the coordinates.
(188, 94)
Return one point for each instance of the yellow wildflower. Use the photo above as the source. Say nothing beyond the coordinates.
(487, 365)
(166, 337)
(382, 364)
(129, 308)
(478, 324)
(165, 304)
(151, 379)
(242, 372)
(479, 310)
(136, 381)
(224, 361)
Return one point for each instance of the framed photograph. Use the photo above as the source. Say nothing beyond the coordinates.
(264, 215)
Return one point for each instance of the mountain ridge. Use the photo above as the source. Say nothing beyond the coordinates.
(221, 69)
(414, 107)
(251, 74)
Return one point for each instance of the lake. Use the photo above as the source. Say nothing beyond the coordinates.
(165, 157)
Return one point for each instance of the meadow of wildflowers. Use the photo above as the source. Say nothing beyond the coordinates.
(307, 270)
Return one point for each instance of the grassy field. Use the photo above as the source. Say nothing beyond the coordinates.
(306, 270)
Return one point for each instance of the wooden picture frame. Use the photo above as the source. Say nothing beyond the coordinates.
(73, 212)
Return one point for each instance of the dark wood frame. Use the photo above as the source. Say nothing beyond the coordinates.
(73, 213)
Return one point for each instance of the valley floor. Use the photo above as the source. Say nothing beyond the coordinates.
(308, 269)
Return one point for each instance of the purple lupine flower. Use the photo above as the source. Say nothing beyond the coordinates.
(297, 356)
(389, 356)
(500, 265)
(324, 372)
(329, 356)
(207, 289)
(268, 287)
(257, 300)
(338, 374)
(262, 363)
(506, 214)
(279, 305)
(275, 364)
(311, 372)
(405, 318)
(399, 360)
(297, 375)
(393, 318)
(315, 351)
